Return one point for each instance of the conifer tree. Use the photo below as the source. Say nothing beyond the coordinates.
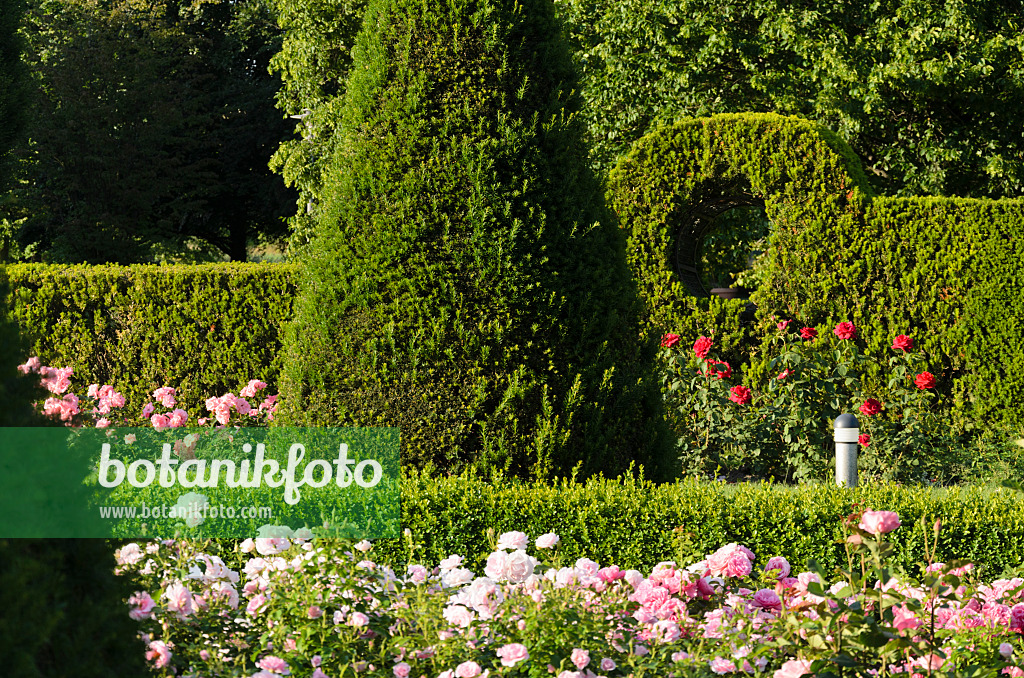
(467, 283)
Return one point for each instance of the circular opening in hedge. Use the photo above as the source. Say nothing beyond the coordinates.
(719, 237)
(730, 247)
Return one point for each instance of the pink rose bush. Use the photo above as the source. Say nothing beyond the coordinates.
(734, 613)
(778, 421)
(97, 407)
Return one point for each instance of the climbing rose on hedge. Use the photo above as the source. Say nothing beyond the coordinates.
(845, 331)
(740, 395)
(902, 343)
(702, 346)
(669, 340)
(925, 380)
(871, 407)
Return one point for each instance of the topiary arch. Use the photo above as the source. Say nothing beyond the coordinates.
(947, 271)
(678, 179)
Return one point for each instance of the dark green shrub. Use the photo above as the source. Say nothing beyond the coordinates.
(64, 611)
(205, 329)
(467, 284)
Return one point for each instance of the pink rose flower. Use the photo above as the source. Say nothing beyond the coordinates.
(702, 346)
(766, 599)
(31, 365)
(159, 654)
(179, 599)
(159, 421)
(547, 541)
(251, 388)
(468, 669)
(401, 670)
(358, 619)
(879, 522)
(669, 340)
(274, 665)
(722, 666)
(580, 658)
(780, 564)
(256, 603)
(845, 331)
(495, 567)
(513, 541)
(142, 605)
(512, 654)
(314, 612)
(177, 418)
(794, 668)
(458, 615)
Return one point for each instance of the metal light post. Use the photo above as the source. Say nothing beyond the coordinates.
(846, 433)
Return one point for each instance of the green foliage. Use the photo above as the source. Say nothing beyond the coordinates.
(205, 329)
(637, 524)
(149, 135)
(13, 80)
(18, 393)
(313, 62)
(467, 284)
(925, 92)
(946, 271)
(64, 611)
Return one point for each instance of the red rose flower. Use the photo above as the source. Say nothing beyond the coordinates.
(785, 373)
(902, 343)
(845, 331)
(925, 380)
(808, 333)
(702, 346)
(669, 340)
(864, 439)
(740, 395)
(723, 372)
(871, 407)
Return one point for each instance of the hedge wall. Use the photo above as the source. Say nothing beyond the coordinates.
(205, 329)
(946, 271)
(633, 523)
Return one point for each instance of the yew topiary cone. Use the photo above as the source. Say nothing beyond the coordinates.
(467, 283)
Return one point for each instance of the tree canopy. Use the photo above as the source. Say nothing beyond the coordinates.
(151, 127)
(926, 92)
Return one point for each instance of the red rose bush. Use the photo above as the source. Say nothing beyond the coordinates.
(776, 421)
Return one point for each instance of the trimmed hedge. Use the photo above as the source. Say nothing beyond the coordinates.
(205, 329)
(948, 272)
(632, 523)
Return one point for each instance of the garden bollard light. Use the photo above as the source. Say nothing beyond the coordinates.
(846, 433)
